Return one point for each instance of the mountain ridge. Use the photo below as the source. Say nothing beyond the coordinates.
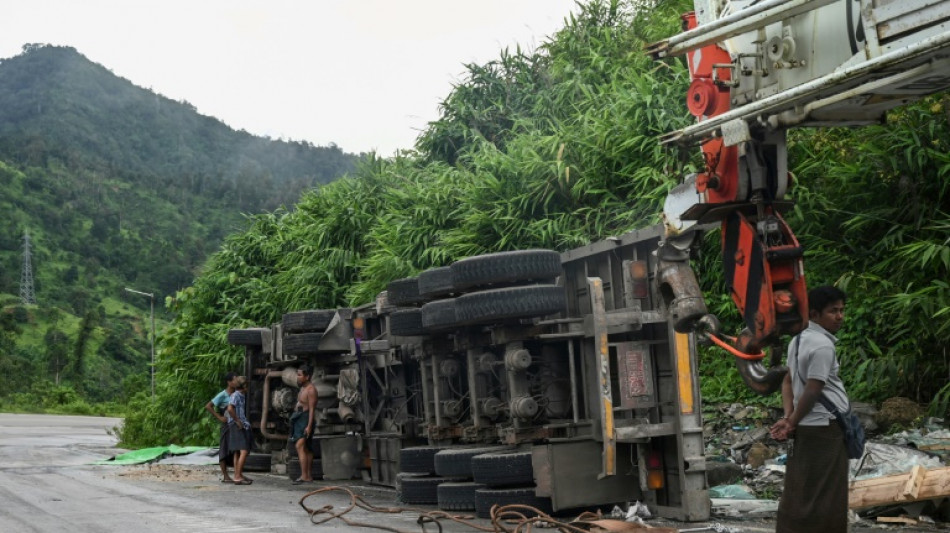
(55, 100)
(118, 187)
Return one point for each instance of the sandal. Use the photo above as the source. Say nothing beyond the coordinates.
(301, 481)
(243, 482)
(228, 480)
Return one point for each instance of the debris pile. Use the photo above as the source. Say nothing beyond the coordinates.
(901, 480)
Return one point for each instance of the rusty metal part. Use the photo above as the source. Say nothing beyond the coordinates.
(514, 436)
(518, 359)
(346, 413)
(705, 327)
(682, 295)
(283, 400)
(438, 433)
(288, 376)
(761, 379)
(523, 407)
(266, 407)
(491, 407)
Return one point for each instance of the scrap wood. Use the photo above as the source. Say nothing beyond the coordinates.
(619, 526)
(915, 485)
(897, 520)
(916, 480)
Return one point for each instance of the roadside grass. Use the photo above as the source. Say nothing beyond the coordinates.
(46, 398)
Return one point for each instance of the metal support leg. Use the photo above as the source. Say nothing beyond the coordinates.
(599, 314)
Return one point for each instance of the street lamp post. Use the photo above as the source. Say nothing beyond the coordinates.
(151, 315)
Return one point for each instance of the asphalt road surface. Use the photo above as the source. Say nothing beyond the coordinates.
(48, 483)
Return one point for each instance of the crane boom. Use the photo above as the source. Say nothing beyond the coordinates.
(757, 69)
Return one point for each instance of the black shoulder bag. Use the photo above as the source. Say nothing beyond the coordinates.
(854, 438)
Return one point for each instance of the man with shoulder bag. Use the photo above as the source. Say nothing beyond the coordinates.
(815, 498)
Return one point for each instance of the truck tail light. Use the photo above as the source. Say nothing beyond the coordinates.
(639, 277)
(654, 462)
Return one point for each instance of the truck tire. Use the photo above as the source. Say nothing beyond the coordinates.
(302, 343)
(399, 479)
(436, 282)
(439, 315)
(419, 459)
(457, 462)
(257, 462)
(406, 322)
(510, 303)
(404, 291)
(307, 321)
(422, 490)
(245, 337)
(293, 469)
(485, 499)
(457, 495)
(503, 469)
(506, 268)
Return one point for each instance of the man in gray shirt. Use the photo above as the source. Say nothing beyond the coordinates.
(815, 497)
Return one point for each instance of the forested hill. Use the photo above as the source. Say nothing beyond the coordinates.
(56, 103)
(118, 187)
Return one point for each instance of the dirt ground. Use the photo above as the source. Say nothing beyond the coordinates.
(171, 473)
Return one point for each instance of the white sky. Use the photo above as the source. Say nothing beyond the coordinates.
(364, 74)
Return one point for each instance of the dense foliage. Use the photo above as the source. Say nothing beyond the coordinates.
(117, 187)
(557, 147)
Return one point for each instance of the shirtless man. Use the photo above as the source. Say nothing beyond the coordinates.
(301, 423)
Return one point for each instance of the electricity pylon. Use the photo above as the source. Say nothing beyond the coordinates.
(27, 296)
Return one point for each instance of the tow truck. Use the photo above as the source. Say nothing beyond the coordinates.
(566, 380)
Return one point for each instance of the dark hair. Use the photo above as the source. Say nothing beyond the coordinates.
(307, 371)
(821, 297)
(229, 376)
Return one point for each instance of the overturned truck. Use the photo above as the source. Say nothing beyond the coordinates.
(551, 379)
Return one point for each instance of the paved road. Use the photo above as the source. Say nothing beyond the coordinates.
(48, 484)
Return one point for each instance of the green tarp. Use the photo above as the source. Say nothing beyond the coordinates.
(147, 455)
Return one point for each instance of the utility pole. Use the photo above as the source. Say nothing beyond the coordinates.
(27, 296)
(151, 315)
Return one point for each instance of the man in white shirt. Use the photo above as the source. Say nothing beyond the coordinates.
(815, 497)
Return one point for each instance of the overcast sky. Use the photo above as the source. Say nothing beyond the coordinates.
(364, 74)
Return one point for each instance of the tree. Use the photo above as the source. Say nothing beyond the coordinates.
(57, 350)
(77, 367)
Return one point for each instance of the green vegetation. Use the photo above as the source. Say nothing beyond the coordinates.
(118, 187)
(555, 148)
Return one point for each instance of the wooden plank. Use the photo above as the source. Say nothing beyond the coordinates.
(912, 488)
(897, 520)
(906, 487)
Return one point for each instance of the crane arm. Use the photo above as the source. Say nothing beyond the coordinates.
(758, 68)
